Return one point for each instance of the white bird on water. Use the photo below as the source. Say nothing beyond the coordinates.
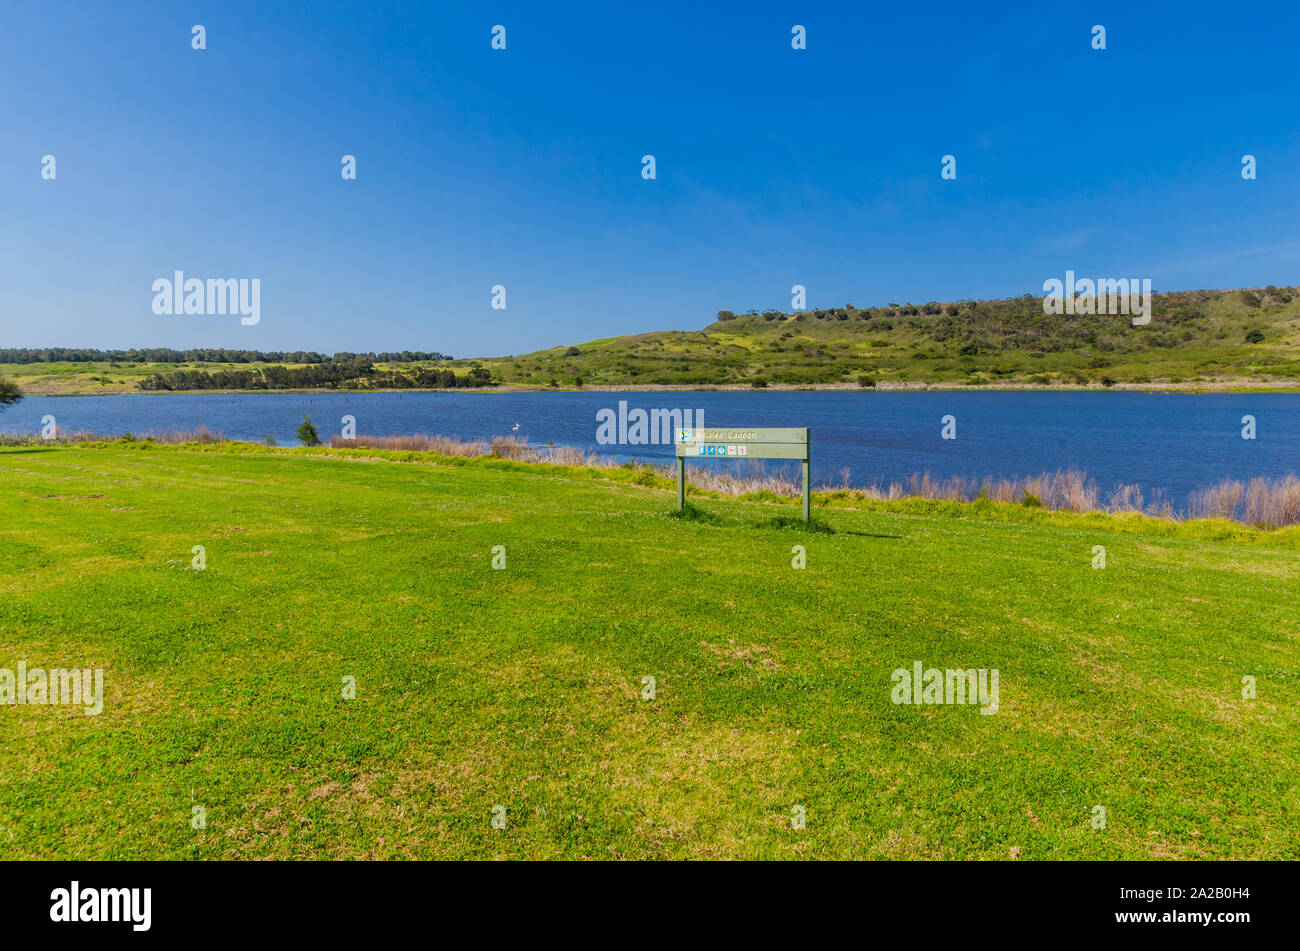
(514, 428)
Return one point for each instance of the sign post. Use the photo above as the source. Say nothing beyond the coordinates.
(807, 462)
(738, 443)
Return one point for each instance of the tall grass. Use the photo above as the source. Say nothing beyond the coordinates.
(442, 445)
(747, 479)
(1065, 490)
(503, 447)
(170, 437)
(1269, 502)
(175, 437)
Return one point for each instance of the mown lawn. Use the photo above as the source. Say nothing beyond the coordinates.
(522, 687)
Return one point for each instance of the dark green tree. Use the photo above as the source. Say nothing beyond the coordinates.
(9, 393)
(307, 434)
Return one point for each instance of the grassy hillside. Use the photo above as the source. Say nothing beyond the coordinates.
(38, 379)
(521, 687)
(1195, 337)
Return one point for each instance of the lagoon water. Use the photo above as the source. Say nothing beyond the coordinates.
(1162, 441)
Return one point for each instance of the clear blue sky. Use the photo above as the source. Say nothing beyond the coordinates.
(522, 167)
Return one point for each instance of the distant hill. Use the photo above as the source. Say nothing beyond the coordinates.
(1230, 336)
(1202, 339)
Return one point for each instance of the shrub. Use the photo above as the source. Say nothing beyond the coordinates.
(307, 434)
(866, 381)
(1255, 336)
(759, 384)
(9, 393)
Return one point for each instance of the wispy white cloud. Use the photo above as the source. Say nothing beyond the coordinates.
(1284, 249)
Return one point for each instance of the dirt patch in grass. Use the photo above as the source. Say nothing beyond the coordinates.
(749, 655)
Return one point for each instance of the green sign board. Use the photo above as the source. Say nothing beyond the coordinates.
(710, 444)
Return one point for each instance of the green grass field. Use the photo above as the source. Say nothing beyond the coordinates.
(521, 687)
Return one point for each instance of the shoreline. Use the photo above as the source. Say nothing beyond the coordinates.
(881, 387)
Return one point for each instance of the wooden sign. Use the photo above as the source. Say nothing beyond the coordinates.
(714, 443)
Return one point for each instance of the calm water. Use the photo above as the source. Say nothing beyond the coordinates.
(1170, 442)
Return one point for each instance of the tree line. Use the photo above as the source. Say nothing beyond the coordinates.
(358, 373)
(205, 355)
